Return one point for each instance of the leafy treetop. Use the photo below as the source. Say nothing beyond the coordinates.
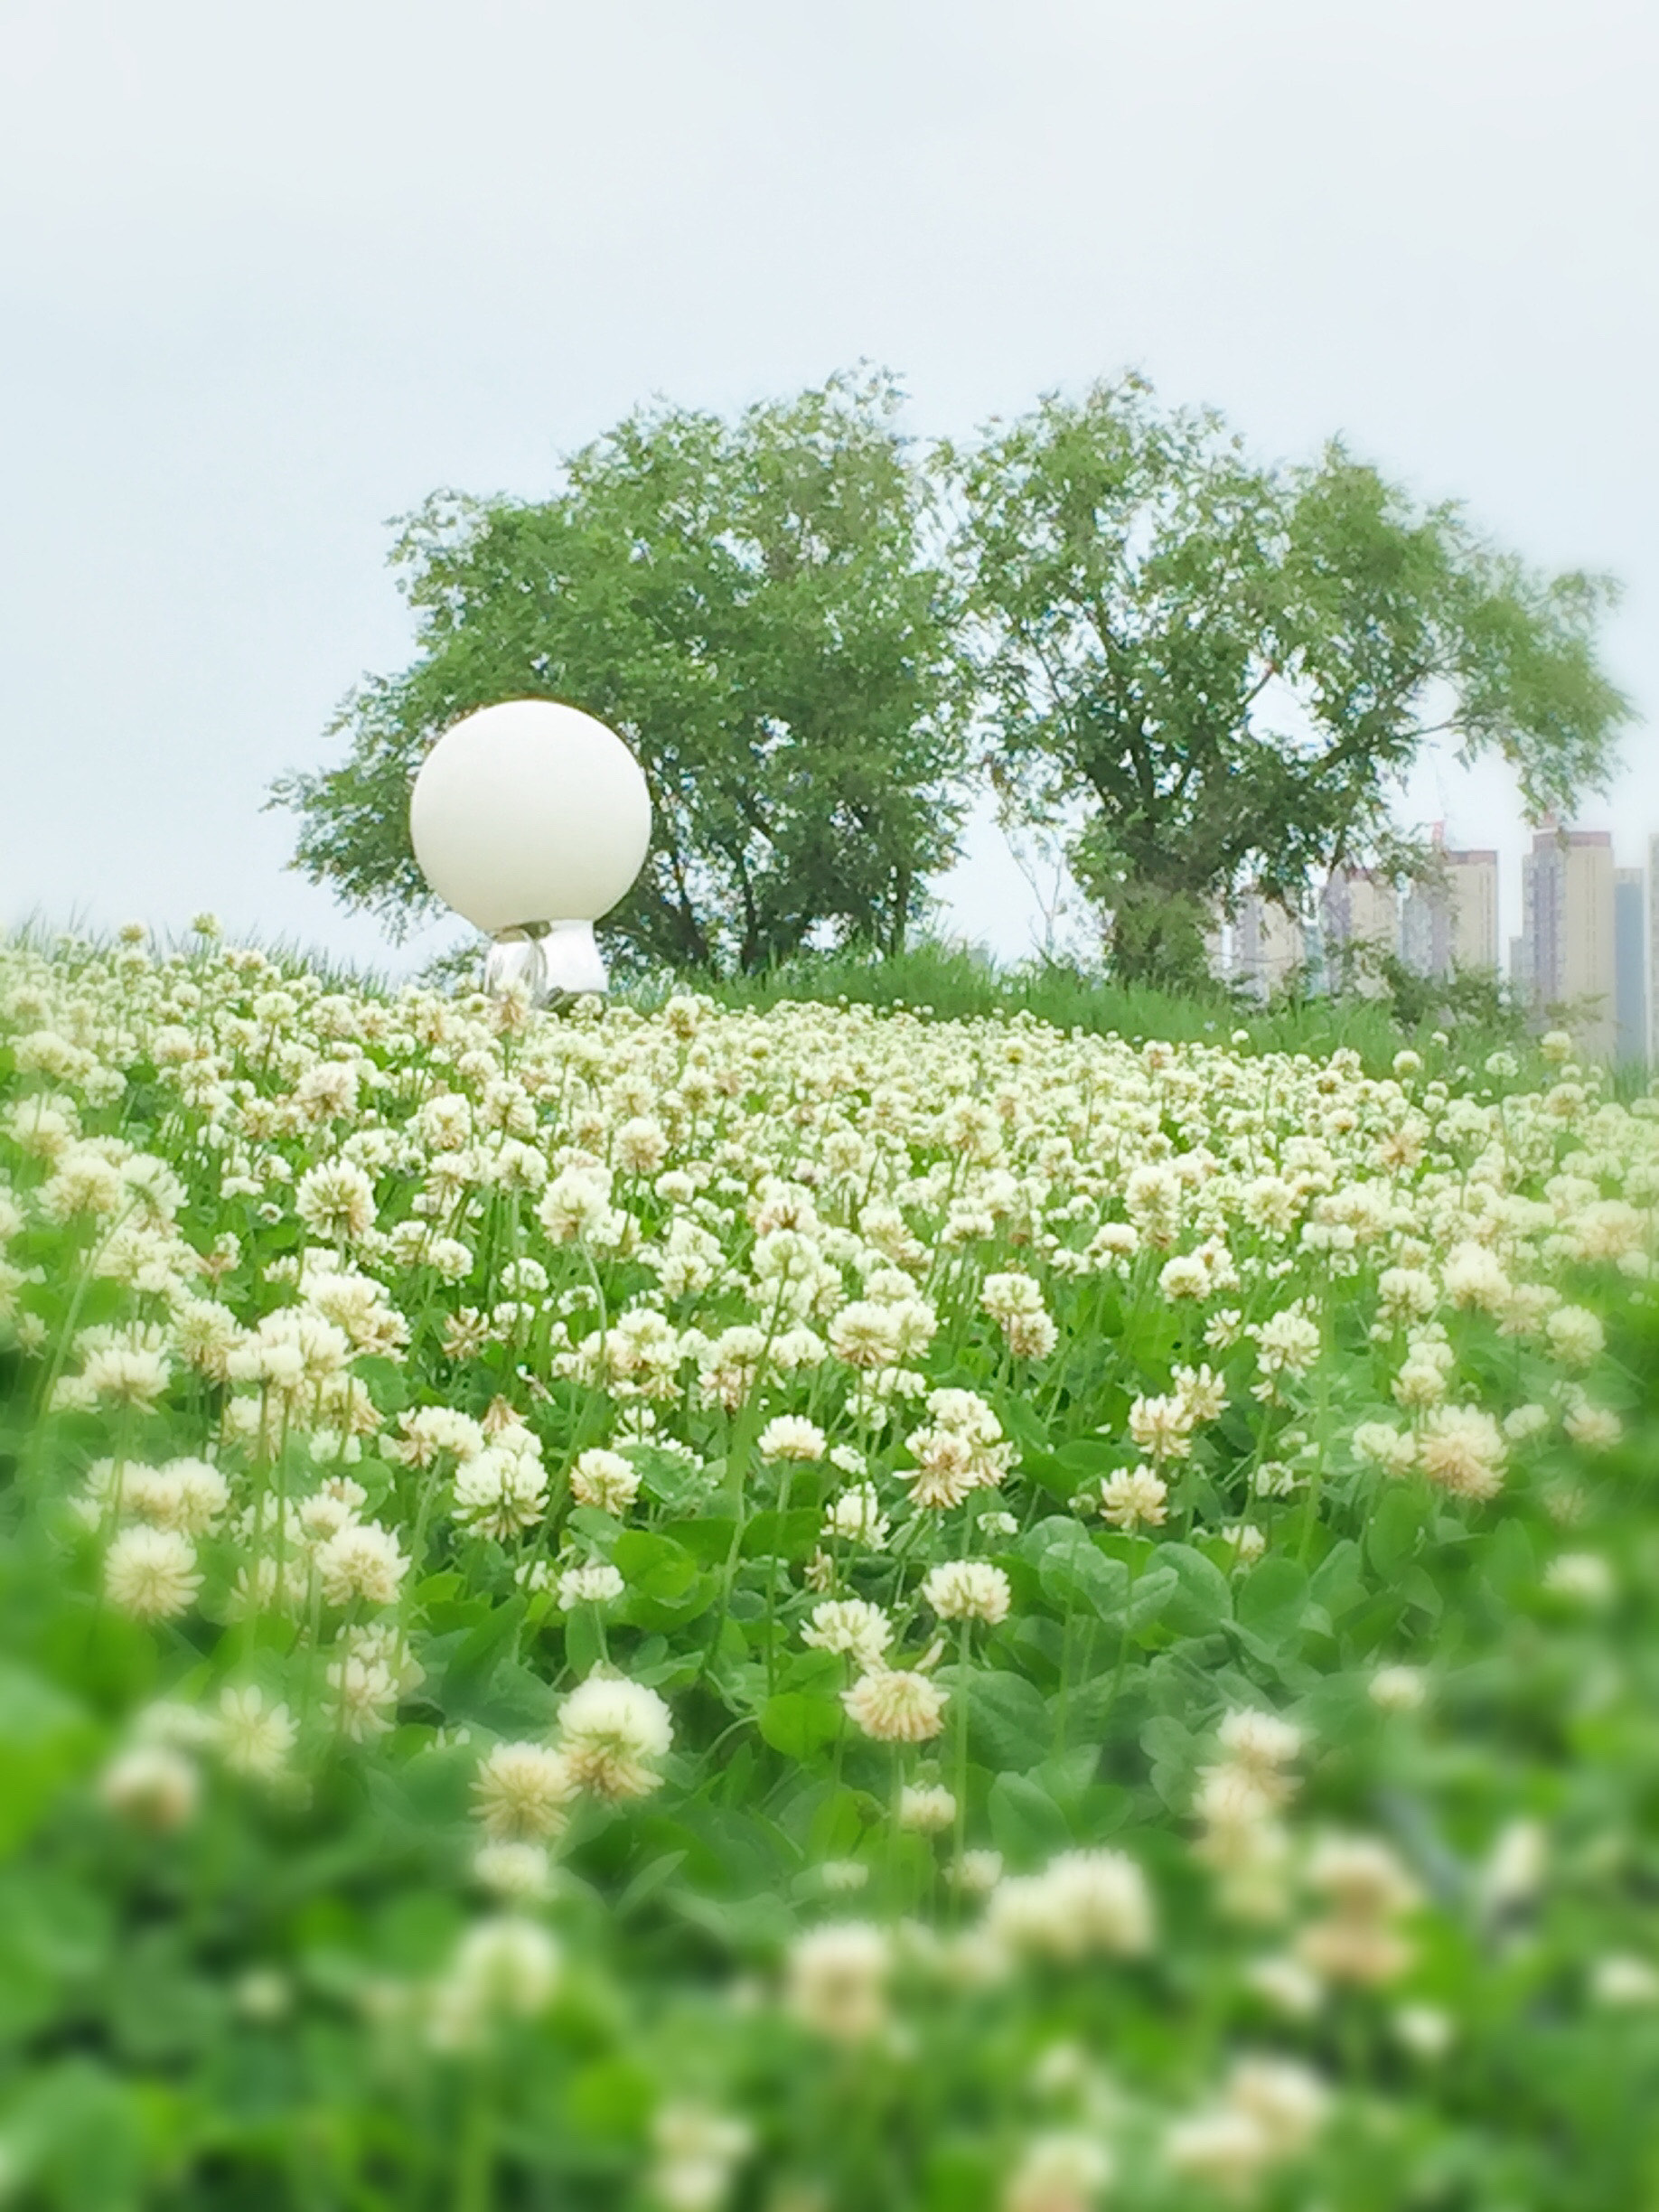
(751, 606)
(1225, 670)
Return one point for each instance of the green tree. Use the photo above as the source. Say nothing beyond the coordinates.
(751, 604)
(1220, 672)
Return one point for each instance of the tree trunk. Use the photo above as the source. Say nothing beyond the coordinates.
(1158, 936)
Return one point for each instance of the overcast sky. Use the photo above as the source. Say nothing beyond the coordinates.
(272, 275)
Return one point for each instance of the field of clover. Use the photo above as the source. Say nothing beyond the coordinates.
(813, 1610)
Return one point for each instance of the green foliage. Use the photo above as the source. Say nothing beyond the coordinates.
(1211, 673)
(1225, 669)
(959, 985)
(750, 604)
(253, 1219)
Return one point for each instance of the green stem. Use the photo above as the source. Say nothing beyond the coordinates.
(963, 1676)
(894, 1831)
(1128, 1607)
(774, 1566)
(475, 2162)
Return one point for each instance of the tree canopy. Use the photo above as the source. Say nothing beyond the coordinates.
(750, 604)
(1223, 670)
(1214, 672)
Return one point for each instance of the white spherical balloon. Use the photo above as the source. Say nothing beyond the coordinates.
(528, 812)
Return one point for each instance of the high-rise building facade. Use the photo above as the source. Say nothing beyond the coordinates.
(1630, 965)
(1359, 921)
(1567, 904)
(1450, 921)
(1269, 945)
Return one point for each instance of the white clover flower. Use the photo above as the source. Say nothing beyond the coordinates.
(896, 1705)
(575, 1205)
(1424, 2030)
(640, 1145)
(507, 1965)
(428, 1430)
(1586, 1577)
(1223, 2149)
(255, 1737)
(363, 1560)
(696, 2153)
(851, 1625)
(1622, 1982)
(609, 1729)
(978, 1872)
(522, 1791)
(1420, 1382)
(1397, 1689)
(336, 1200)
(1525, 1422)
(1406, 1294)
(1381, 1445)
(1462, 1450)
(857, 1516)
(1247, 1543)
(837, 1980)
(1015, 1302)
(1286, 1985)
(1576, 1337)
(928, 1806)
(517, 1873)
(1133, 1498)
(1361, 1874)
(500, 1493)
(1288, 1343)
(1202, 1393)
(605, 1479)
(1259, 1742)
(123, 1374)
(1186, 1276)
(150, 1573)
(947, 1468)
(1060, 2171)
(263, 1994)
(1366, 1890)
(324, 1514)
(1474, 1277)
(362, 1695)
(1162, 1427)
(597, 1583)
(1082, 1903)
(791, 1438)
(864, 1334)
(967, 1590)
(1285, 2099)
(153, 1785)
(843, 1876)
(1593, 1428)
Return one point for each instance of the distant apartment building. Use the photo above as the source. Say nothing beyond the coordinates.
(1630, 965)
(1216, 955)
(1359, 922)
(1269, 945)
(1450, 921)
(1566, 900)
